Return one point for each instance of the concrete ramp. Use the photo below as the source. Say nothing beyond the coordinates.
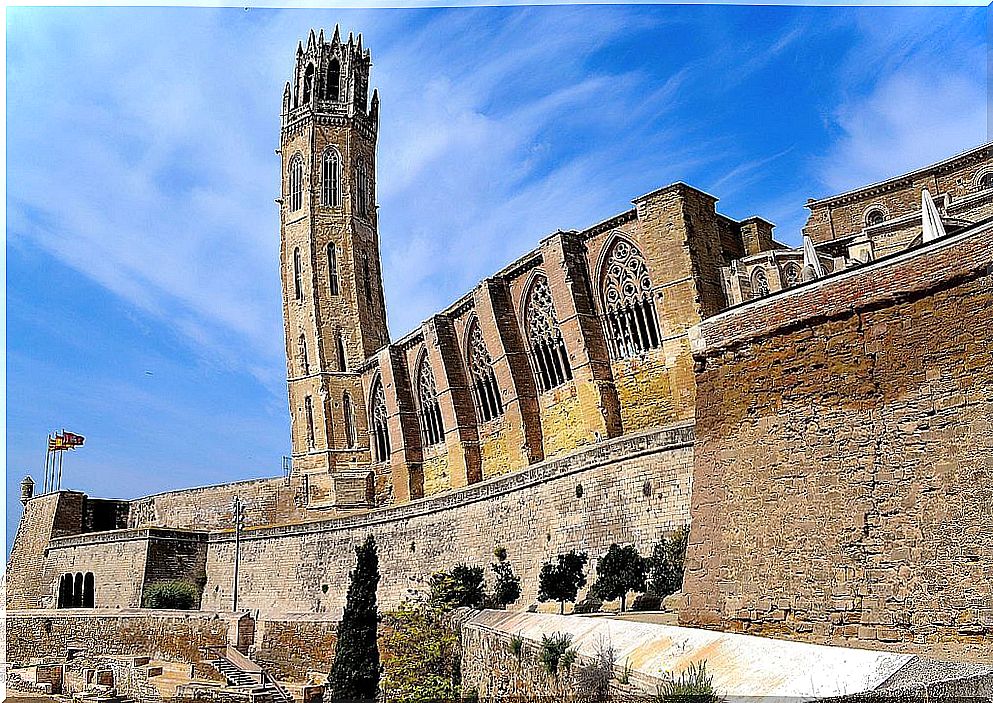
(743, 666)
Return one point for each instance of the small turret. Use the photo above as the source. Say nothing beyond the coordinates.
(27, 490)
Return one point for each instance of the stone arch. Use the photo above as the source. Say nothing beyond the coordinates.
(546, 346)
(630, 320)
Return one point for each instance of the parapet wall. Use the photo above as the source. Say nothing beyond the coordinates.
(630, 489)
(842, 471)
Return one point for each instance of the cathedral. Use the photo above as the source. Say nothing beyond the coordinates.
(664, 367)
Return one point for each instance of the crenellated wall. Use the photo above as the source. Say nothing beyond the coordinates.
(842, 469)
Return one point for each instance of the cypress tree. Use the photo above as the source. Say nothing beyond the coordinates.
(354, 674)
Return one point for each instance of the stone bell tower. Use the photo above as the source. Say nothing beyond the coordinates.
(333, 308)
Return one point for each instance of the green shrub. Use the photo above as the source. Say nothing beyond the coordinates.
(462, 587)
(557, 652)
(665, 574)
(171, 595)
(694, 684)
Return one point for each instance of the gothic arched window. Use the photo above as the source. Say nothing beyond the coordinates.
(308, 405)
(429, 411)
(304, 360)
(349, 412)
(760, 283)
(485, 392)
(380, 429)
(791, 274)
(334, 80)
(297, 275)
(548, 355)
(362, 190)
(333, 282)
(296, 183)
(308, 83)
(331, 178)
(631, 323)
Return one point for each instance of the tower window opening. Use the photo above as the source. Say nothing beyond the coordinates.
(339, 342)
(334, 80)
(547, 347)
(308, 405)
(296, 183)
(349, 415)
(333, 282)
(297, 275)
(631, 324)
(308, 83)
(380, 428)
(432, 427)
(331, 178)
(304, 361)
(485, 392)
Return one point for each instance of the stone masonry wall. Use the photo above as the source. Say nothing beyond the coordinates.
(842, 471)
(169, 634)
(631, 489)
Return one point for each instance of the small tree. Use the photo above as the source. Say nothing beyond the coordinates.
(621, 569)
(507, 584)
(460, 587)
(665, 575)
(562, 579)
(354, 674)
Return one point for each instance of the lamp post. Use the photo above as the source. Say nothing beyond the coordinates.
(238, 514)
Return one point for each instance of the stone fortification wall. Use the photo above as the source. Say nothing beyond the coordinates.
(842, 471)
(268, 501)
(630, 489)
(173, 635)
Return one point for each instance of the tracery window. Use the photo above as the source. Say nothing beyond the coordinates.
(334, 80)
(297, 275)
(349, 412)
(331, 178)
(760, 283)
(548, 354)
(791, 274)
(875, 216)
(308, 405)
(334, 286)
(296, 183)
(304, 360)
(432, 428)
(485, 392)
(631, 322)
(380, 429)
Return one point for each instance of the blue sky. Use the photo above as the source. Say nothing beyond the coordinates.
(143, 300)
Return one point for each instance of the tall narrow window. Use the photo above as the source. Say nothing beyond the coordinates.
(339, 342)
(308, 406)
(331, 178)
(334, 80)
(485, 392)
(366, 279)
(333, 283)
(380, 428)
(548, 354)
(630, 321)
(362, 188)
(308, 83)
(89, 597)
(349, 412)
(296, 183)
(429, 412)
(304, 361)
(297, 275)
(760, 284)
